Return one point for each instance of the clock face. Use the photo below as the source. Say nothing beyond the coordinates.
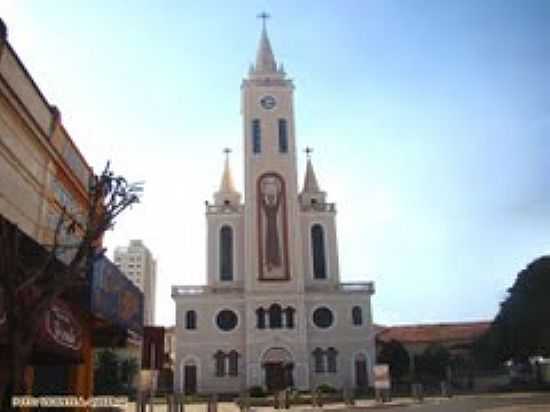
(268, 102)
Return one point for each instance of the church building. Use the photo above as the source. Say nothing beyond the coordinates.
(274, 312)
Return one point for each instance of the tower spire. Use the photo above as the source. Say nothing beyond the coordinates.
(311, 193)
(227, 194)
(227, 185)
(310, 181)
(265, 60)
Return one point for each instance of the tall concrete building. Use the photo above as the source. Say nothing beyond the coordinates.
(138, 264)
(274, 312)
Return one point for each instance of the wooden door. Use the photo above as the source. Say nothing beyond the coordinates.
(190, 379)
(361, 378)
(275, 376)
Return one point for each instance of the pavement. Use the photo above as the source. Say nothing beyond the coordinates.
(505, 402)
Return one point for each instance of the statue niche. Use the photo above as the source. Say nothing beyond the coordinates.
(272, 228)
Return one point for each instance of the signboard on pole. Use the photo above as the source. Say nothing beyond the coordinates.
(382, 376)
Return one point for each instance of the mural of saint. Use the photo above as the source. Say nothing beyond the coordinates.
(271, 202)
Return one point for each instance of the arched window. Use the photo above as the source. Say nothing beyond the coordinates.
(191, 319)
(318, 251)
(318, 361)
(283, 136)
(226, 253)
(275, 316)
(256, 136)
(219, 358)
(233, 363)
(289, 314)
(357, 316)
(260, 318)
(331, 360)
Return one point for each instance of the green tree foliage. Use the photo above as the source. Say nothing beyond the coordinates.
(431, 366)
(521, 328)
(114, 375)
(396, 356)
(128, 370)
(106, 374)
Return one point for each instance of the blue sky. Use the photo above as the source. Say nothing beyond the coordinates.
(430, 121)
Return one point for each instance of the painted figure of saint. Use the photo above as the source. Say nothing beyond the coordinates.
(271, 200)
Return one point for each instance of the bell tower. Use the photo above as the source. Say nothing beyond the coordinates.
(272, 233)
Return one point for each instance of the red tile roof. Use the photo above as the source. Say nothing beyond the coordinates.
(441, 332)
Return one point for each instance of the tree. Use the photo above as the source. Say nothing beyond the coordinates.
(113, 374)
(432, 365)
(41, 278)
(128, 370)
(521, 329)
(396, 356)
(106, 373)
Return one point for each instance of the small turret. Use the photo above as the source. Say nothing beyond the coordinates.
(311, 193)
(227, 194)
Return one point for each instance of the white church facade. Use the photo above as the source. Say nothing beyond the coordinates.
(274, 312)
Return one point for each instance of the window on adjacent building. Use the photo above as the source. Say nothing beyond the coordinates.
(318, 360)
(227, 320)
(318, 251)
(260, 317)
(226, 253)
(191, 319)
(283, 136)
(323, 317)
(233, 363)
(275, 316)
(289, 314)
(219, 358)
(331, 360)
(256, 136)
(357, 316)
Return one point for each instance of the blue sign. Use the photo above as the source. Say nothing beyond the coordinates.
(114, 297)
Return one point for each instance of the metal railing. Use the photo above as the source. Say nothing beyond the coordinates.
(192, 290)
(319, 207)
(224, 209)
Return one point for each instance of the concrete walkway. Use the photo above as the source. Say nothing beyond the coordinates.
(331, 407)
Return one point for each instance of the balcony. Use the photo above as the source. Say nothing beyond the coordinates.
(319, 207)
(192, 290)
(223, 209)
(349, 287)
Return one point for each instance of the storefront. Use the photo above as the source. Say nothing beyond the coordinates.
(103, 313)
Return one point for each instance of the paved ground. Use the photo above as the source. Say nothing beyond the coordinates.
(517, 402)
(520, 402)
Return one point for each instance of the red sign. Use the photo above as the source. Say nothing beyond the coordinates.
(59, 332)
(62, 328)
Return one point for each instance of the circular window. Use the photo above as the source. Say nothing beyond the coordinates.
(323, 318)
(226, 320)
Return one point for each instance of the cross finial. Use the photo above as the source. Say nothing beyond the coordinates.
(264, 16)
(308, 151)
(227, 150)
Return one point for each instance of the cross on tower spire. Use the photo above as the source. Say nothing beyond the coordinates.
(264, 16)
(227, 150)
(308, 150)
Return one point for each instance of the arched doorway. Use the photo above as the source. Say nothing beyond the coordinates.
(361, 373)
(278, 369)
(189, 376)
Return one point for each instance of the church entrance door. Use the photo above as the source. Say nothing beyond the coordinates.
(275, 376)
(278, 368)
(190, 379)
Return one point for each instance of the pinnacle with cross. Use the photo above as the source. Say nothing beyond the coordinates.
(227, 150)
(308, 150)
(264, 16)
